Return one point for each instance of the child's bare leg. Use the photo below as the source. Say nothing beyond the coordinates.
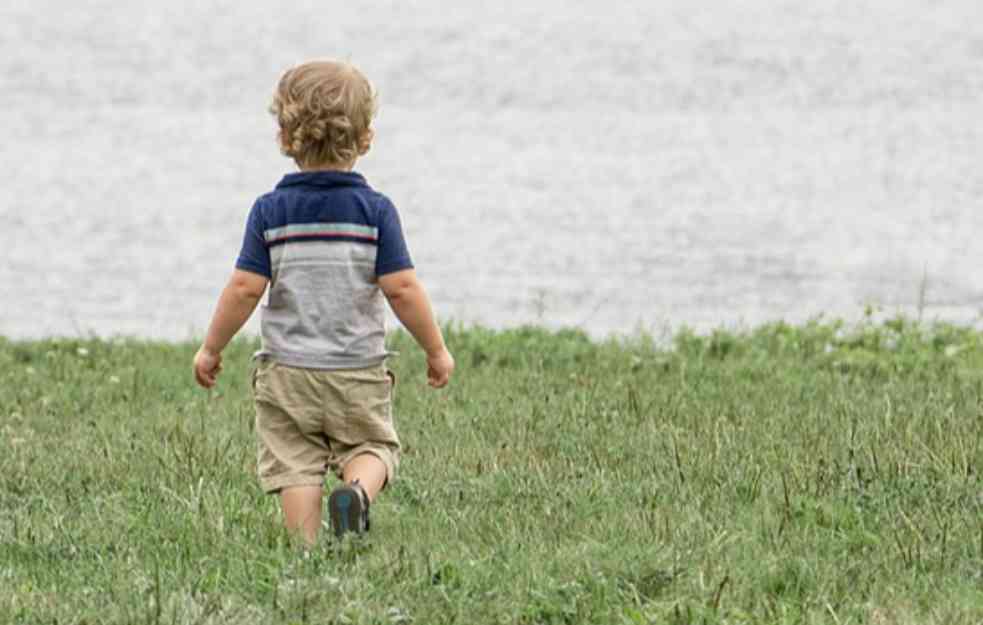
(370, 472)
(302, 510)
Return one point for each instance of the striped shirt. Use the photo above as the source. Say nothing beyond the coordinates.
(323, 238)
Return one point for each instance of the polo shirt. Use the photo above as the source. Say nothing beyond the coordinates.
(322, 239)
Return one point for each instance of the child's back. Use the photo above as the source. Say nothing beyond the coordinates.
(323, 238)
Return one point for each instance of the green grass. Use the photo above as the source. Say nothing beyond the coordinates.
(809, 474)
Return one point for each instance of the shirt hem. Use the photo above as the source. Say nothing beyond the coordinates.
(330, 364)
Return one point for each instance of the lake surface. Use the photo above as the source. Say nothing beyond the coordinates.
(625, 166)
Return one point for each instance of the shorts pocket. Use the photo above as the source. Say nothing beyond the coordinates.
(369, 395)
(263, 366)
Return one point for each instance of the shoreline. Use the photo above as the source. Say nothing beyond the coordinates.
(665, 335)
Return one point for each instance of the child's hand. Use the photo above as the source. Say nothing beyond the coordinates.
(439, 368)
(207, 365)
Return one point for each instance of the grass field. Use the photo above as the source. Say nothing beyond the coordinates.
(808, 474)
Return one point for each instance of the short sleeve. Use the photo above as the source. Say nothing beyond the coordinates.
(393, 254)
(254, 255)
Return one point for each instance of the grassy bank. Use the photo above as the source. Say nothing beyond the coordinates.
(810, 474)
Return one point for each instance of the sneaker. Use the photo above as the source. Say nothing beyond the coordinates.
(348, 507)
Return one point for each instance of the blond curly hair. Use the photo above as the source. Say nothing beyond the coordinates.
(324, 110)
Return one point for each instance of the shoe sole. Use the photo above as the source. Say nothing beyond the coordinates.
(345, 508)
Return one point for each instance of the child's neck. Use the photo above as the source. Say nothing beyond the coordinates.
(329, 167)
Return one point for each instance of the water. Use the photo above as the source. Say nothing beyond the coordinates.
(656, 165)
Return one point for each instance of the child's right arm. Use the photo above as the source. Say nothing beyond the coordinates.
(410, 302)
(235, 305)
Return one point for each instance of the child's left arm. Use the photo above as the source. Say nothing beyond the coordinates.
(235, 305)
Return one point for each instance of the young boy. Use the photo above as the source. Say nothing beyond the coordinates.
(329, 247)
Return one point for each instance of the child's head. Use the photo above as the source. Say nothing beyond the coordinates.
(324, 109)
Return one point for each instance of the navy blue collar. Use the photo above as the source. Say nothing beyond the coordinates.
(323, 179)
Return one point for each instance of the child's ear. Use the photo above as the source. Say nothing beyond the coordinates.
(365, 142)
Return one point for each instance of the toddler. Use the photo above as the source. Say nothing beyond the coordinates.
(331, 250)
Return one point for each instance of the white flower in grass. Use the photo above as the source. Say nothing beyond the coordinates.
(81, 351)
(398, 615)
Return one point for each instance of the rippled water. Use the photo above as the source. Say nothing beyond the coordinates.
(655, 165)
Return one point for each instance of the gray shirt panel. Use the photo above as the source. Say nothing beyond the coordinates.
(325, 309)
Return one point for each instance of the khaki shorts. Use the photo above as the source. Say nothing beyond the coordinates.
(309, 421)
